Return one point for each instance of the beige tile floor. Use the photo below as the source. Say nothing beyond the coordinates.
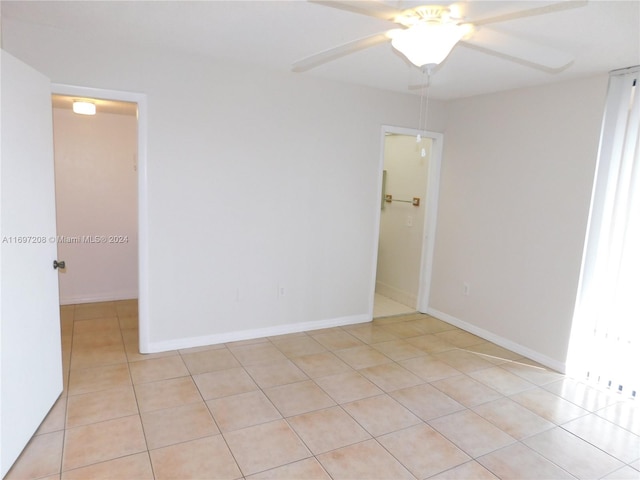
(403, 397)
(385, 307)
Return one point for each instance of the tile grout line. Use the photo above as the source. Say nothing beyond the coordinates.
(220, 432)
(135, 395)
(543, 386)
(66, 401)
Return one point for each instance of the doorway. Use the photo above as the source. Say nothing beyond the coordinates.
(410, 178)
(96, 199)
(138, 161)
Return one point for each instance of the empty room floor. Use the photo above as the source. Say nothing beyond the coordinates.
(385, 307)
(404, 397)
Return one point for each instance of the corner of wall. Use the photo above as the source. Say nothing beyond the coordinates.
(501, 341)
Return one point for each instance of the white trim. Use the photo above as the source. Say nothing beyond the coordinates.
(431, 213)
(498, 340)
(433, 194)
(101, 297)
(143, 207)
(376, 225)
(190, 342)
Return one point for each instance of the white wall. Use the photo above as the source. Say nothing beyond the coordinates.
(256, 180)
(96, 196)
(402, 224)
(262, 179)
(515, 190)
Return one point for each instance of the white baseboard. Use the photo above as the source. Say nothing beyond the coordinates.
(98, 297)
(498, 340)
(167, 345)
(408, 299)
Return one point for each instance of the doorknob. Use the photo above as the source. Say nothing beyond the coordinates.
(57, 264)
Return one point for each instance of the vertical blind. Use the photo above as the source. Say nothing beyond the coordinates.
(605, 344)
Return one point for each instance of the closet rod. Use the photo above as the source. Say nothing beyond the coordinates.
(415, 202)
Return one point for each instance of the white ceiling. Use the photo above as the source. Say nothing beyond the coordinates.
(602, 35)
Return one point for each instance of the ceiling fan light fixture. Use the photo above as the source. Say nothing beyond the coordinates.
(428, 43)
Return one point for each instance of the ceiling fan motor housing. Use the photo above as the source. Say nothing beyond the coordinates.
(427, 14)
(430, 32)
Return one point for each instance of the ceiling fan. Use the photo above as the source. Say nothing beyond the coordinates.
(428, 33)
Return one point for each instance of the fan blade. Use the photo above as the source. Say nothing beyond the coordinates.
(542, 10)
(519, 49)
(371, 8)
(339, 51)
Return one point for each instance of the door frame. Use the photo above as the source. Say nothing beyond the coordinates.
(431, 212)
(143, 208)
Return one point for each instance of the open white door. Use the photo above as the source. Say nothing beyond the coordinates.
(31, 348)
